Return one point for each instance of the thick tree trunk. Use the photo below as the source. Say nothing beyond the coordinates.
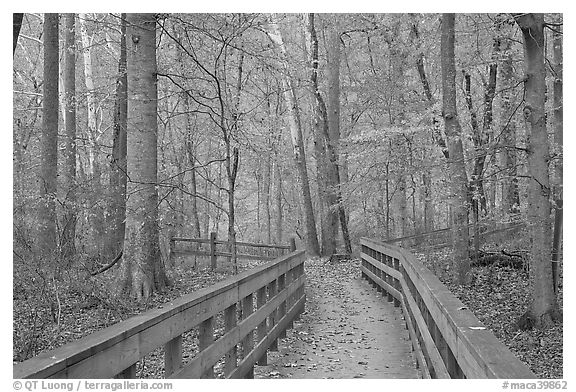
(325, 170)
(117, 214)
(558, 112)
(543, 309)
(456, 163)
(47, 236)
(334, 130)
(142, 268)
(312, 245)
(558, 147)
(69, 153)
(96, 209)
(16, 26)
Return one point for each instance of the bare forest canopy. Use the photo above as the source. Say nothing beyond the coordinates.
(132, 129)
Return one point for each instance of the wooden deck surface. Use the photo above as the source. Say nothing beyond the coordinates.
(348, 330)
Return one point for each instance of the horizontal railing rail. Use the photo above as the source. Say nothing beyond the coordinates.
(257, 306)
(448, 340)
(245, 250)
(442, 237)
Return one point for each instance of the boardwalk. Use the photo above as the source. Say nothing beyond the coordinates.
(348, 331)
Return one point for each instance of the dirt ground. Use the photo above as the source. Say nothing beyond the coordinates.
(348, 330)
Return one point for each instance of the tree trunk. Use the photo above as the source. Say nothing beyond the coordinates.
(456, 163)
(436, 132)
(232, 159)
(117, 214)
(279, 212)
(312, 245)
(543, 309)
(558, 147)
(325, 176)
(428, 204)
(96, 209)
(267, 177)
(558, 112)
(142, 268)
(334, 129)
(16, 26)
(510, 193)
(47, 236)
(69, 175)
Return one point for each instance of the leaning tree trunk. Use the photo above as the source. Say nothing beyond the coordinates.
(312, 245)
(142, 269)
(69, 175)
(47, 235)
(544, 308)
(457, 170)
(117, 214)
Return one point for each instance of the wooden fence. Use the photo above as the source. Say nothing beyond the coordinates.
(448, 340)
(256, 306)
(246, 250)
(442, 237)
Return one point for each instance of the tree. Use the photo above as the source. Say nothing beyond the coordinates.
(510, 193)
(95, 210)
(142, 268)
(117, 210)
(544, 308)
(47, 235)
(312, 245)
(69, 175)
(328, 216)
(456, 163)
(334, 132)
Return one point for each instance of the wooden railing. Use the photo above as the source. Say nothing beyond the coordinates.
(448, 340)
(246, 250)
(442, 237)
(256, 306)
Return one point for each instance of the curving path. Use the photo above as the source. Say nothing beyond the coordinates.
(348, 330)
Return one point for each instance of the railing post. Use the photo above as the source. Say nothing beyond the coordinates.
(172, 356)
(129, 372)
(213, 250)
(282, 307)
(396, 282)
(273, 315)
(290, 299)
(229, 323)
(205, 339)
(248, 342)
(262, 330)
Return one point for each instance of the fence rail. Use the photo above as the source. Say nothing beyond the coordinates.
(252, 251)
(442, 237)
(257, 307)
(448, 340)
